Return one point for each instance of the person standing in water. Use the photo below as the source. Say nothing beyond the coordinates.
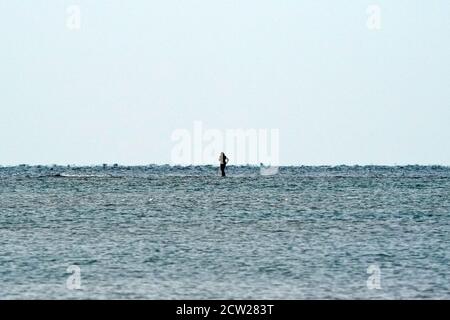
(223, 162)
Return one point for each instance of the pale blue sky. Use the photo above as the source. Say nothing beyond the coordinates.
(114, 91)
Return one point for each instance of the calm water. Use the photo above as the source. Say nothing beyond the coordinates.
(171, 232)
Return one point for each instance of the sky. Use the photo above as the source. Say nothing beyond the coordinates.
(115, 89)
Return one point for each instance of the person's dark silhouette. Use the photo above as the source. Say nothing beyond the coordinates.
(223, 163)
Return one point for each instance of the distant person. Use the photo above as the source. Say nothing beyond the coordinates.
(223, 163)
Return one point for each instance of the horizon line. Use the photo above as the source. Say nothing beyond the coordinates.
(216, 165)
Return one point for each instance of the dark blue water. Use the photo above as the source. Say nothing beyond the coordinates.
(164, 232)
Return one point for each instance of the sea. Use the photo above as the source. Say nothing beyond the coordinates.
(173, 232)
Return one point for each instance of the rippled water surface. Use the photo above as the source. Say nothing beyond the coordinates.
(163, 232)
